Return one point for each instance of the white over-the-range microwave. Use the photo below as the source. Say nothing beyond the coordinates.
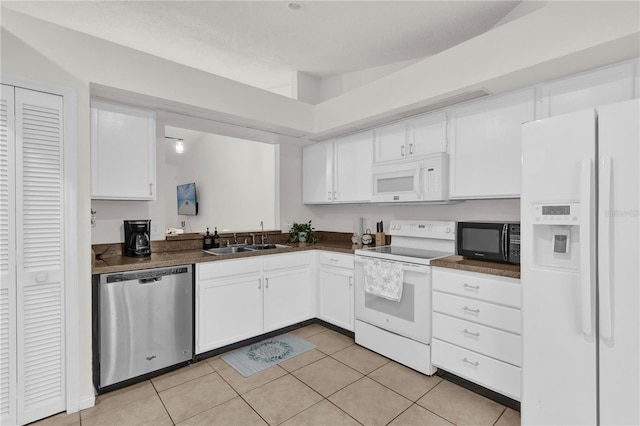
(411, 181)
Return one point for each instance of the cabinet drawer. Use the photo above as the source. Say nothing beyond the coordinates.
(502, 317)
(500, 290)
(339, 260)
(479, 338)
(280, 261)
(490, 373)
(225, 268)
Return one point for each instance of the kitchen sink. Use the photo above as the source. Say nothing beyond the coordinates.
(267, 246)
(244, 248)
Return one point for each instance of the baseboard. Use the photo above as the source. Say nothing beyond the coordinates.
(86, 402)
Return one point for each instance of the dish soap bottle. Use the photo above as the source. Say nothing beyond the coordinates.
(208, 241)
(216, 238)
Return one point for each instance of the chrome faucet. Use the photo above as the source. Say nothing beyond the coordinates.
(235, 238)
(253, 239)
(263, 237)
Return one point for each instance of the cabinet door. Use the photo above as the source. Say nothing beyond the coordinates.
(390, 142)
(353, 161)
(335, 294)
(123, 152)
(227, 311)
(287, 298)
(588, 90)
(485, 146)
(427, 134)
(317, 173)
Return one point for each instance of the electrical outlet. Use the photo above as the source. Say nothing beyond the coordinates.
(156, 227)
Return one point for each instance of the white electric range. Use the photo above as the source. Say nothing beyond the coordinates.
(401, 330)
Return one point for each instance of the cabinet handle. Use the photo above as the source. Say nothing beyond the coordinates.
(329, 195)
(473, 311)
(475, 364)
(471, 287)
(150, 189)
(350, 281)
(266, 283)
(333, 260)
(470, 333)
(259, 283)
(402, 151)
(410, 149)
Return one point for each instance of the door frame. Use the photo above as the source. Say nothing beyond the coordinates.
(70, 171)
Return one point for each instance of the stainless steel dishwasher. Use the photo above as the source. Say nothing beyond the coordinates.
(145, 322)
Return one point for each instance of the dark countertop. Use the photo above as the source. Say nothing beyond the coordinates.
(117, 263)
(471, 265)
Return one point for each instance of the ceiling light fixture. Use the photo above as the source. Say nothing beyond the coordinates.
(294, 6)
(179, 144)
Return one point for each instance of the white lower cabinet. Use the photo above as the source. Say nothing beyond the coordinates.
(477, 328)
(243, 298)
(287, 298)
(228, 310)
(336, 289)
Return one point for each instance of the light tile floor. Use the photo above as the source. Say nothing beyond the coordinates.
(338, 383)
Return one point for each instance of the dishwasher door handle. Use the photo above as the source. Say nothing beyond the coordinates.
(149, 280)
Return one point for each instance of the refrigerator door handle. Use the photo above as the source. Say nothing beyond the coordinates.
(604, 245)
(586, 244)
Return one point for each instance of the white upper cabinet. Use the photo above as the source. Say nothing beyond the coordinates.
(427, 134)
(390, 142)
(353, 161)
(416, 137)
(587, 90)
(123, 152)
(485, 146)
(338, 171)
(317, 173)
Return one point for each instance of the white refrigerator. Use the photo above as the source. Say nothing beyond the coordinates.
(580, 273)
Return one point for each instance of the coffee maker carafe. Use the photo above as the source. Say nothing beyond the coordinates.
(137, 242)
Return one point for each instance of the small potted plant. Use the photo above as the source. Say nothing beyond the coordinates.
(302, 232)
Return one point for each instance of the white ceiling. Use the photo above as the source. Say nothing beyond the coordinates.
(262, 43)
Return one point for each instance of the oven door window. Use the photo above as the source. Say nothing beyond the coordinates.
(404, 309)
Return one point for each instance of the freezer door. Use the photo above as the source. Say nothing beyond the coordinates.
(558, 280)
(145, 323)
(618, 254)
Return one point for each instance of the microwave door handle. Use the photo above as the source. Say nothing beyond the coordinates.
(505, 242)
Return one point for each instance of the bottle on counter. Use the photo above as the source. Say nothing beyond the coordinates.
(208, 241)
(216, 238)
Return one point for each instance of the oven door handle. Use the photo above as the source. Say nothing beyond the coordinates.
(406, 267)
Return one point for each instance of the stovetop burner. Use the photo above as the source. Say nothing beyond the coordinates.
(406, 252)
(416, 241)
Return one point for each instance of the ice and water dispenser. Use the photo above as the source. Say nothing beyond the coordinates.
(556, 236)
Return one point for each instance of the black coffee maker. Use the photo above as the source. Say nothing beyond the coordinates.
(137, 242)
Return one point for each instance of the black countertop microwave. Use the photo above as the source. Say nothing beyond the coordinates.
(494, 241)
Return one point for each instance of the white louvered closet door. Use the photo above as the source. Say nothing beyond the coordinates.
(39, 261)
(8, 391)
